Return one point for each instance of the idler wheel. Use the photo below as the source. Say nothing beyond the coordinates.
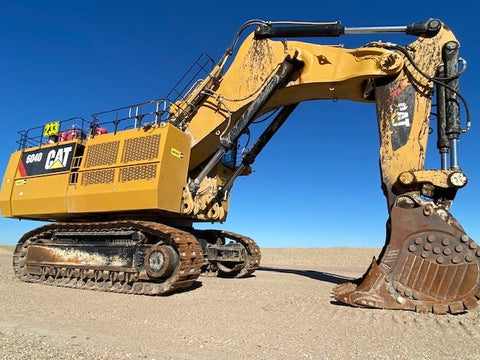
(161, 261)
(232, 269)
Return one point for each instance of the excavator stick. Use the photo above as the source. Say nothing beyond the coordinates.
(428, 263)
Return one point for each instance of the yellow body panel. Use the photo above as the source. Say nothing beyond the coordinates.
(138, 169)
(40, 195)
(147, 169)
(8, 184)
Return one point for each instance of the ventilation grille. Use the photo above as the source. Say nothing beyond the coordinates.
(98, 177)
(102, 154)
(141, 148)
(142, 172)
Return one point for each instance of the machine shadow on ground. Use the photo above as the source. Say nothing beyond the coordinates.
(315, 275)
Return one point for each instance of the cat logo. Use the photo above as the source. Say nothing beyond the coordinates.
(403, 116)
(57, 158)
(47, 160)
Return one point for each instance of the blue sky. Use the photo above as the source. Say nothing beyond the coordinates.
(317, 183)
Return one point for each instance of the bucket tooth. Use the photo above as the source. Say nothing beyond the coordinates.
(456, 307)
(469, 302)
(426, 265)
(423, 308)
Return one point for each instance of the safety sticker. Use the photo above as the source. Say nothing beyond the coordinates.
(176, 153)
(21, 182)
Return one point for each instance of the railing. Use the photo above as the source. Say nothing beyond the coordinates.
(192, 77)
(61, 130)
(129, 117)
(182, 93)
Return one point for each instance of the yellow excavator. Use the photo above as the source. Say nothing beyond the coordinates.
(123, 190)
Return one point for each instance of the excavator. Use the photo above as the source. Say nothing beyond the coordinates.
(122, 191)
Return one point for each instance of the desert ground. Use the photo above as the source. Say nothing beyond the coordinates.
(282, 312)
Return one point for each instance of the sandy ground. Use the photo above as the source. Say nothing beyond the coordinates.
(283, 312)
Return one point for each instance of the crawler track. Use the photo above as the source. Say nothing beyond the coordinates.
(132, 282)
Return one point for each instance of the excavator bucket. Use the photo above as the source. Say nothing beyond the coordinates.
(427, 265)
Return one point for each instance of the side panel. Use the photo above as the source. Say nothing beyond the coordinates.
(173, 177)
(40, 195)
(132, 170)
(8, 184)
(109, 166)
(40, 179)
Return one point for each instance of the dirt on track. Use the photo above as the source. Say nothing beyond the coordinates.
(283, 312)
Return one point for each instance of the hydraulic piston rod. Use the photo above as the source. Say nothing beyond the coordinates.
(442, 139)
(424, 28)
(266, 136)
(277, 81)
(453, 126)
